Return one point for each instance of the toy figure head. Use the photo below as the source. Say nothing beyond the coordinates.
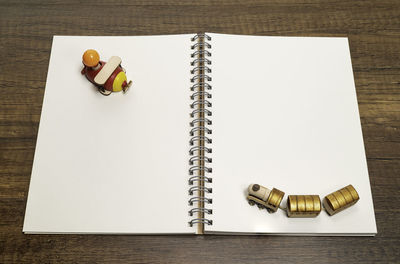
(90, 58)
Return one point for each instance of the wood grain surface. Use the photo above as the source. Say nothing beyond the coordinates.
(26, 30)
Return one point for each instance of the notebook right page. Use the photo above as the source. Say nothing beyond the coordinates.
(285, 116)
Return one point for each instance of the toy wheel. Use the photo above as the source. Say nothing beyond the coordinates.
(260, 206)
(251, 202)
(104, 91)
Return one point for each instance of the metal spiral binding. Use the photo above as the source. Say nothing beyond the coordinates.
(200, 140)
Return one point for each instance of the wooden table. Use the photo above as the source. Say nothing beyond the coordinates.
(26, 31)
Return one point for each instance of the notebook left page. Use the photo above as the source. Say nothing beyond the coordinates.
(118, 163)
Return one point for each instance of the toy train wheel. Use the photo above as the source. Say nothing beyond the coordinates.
(252, 202)
(260, 206)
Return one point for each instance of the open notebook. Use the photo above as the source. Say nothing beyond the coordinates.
(278, 111)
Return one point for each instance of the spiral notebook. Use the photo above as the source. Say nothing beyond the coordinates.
(206, 115)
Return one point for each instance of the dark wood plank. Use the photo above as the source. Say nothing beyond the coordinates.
(26, 30)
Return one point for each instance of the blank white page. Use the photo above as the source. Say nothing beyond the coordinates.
(115, 164)
(285, 115)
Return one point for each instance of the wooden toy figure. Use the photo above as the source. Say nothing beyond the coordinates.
(108, 77)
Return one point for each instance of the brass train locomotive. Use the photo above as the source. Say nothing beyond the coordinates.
(302, 205)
